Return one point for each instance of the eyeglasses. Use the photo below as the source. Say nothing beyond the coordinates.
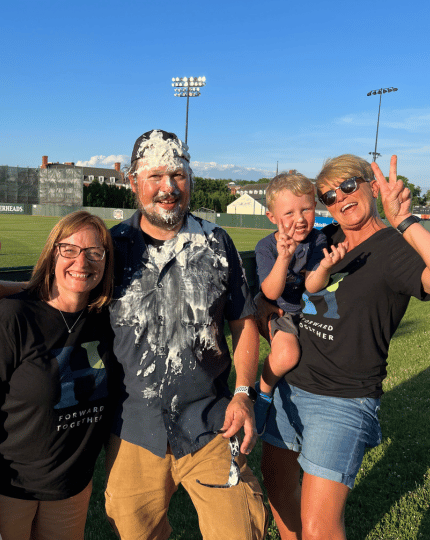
(234, 474)
(347, 186)
(70, 251)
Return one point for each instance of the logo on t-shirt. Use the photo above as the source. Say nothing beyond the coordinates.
(82, 374)
(329, 296)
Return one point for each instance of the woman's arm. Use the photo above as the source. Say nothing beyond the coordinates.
(396, 199)
(11, 287)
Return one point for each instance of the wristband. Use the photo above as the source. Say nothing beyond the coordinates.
(401, 227)
(265, 397)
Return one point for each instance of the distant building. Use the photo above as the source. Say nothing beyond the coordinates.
(108, 176)
(252, 200)
(422, 212)
(248, 204)
(233, 187)
(19, 185)
(53, 183)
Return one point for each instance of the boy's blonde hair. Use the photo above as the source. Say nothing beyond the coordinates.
(297, 183)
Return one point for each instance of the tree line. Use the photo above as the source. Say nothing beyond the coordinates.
(417, 199)
(212, 194)
(207, 193)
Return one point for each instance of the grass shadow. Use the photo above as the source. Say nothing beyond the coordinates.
(406, 327)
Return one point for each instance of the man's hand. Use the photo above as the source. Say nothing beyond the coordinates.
(240, 413)
(395, 197)
(264, 310)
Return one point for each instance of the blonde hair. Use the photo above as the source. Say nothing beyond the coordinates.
(43, 273)
(297, 183)
(343, 167)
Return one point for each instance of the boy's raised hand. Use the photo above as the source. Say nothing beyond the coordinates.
(285, 243)
(336, 254)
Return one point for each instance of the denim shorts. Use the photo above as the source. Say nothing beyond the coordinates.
(330, 433)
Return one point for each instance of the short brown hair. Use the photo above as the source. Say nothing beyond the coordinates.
(43, 276)
(297, 183)
(343, 167)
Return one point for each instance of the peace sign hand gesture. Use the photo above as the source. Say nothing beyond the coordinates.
(396, 198)
(285, 244)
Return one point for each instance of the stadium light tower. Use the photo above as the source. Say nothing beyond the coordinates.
(373, 93)
(188, 87)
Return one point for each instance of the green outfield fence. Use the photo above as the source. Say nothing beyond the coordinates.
(23, 273)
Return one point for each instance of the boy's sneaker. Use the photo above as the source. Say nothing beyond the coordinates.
(261, 409)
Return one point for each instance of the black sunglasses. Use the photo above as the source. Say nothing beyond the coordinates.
(234, 474)
(347, 186)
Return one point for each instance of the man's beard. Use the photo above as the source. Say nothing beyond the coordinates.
(167, 219)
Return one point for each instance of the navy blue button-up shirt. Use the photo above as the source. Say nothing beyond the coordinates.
(170, 304)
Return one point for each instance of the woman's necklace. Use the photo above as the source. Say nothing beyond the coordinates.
(74, 324)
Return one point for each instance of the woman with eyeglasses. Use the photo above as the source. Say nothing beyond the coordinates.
(325, 412)
(54, 361)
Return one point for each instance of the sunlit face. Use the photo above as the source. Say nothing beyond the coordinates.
(163, 193)
(78, 277)
(289, 208)
(353, 210)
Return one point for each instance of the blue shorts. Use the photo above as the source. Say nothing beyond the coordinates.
(330, 433)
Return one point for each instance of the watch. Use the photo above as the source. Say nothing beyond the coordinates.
(401, 227)
(248, 390)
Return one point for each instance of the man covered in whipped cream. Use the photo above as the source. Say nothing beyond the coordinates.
(177, 279)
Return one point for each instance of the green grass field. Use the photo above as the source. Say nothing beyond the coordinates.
(23, 237)
(391, 498)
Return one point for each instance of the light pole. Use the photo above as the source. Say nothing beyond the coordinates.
(373, 93)
(188, 87)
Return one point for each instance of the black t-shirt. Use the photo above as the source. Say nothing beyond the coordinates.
(54, 412)
(347, 327)
(333, 233)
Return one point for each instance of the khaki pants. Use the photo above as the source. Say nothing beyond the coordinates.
(140, 485)
(44, 520)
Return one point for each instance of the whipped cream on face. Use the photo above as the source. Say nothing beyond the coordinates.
(167, 156)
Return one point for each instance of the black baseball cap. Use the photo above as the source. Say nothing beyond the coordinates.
(139, 153)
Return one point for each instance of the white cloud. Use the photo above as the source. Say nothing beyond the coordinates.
(104, 161)
(415, 121)
(411, 120)
(209, 169)
(355, 120)
(212, 169)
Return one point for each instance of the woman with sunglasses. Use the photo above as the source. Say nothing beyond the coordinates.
(325, 411)
(55, 350)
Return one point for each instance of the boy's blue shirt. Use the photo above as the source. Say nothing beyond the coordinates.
(307, 257)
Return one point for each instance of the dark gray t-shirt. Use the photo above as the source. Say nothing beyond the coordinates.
(168, 315)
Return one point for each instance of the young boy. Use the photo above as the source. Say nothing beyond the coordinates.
(289, 261)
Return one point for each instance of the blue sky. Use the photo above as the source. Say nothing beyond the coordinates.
(286, 82)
